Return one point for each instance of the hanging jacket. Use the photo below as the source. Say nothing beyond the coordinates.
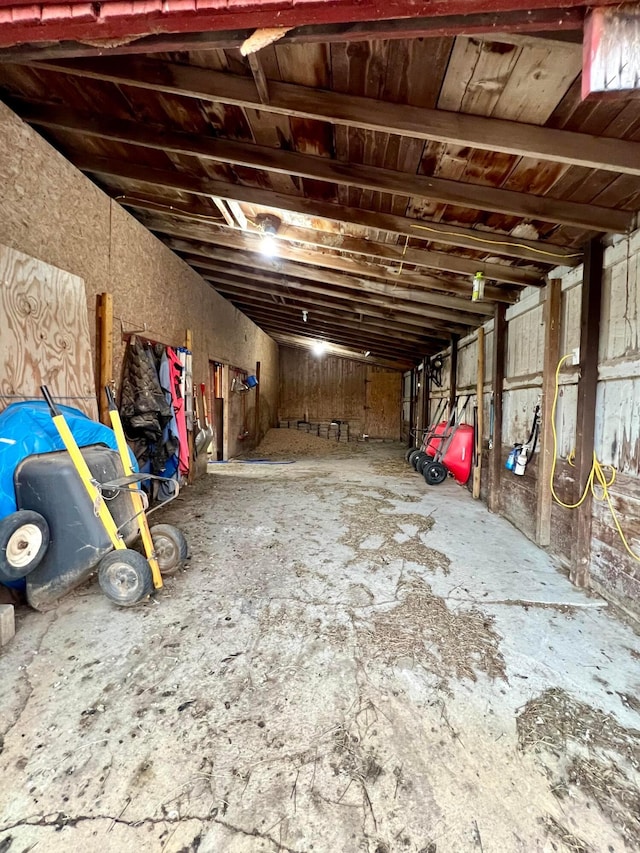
(143, 408)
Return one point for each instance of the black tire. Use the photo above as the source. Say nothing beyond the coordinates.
(408, 453)
(24, 539)
(413, 455)
(434, 473)
(422, 462)
(170, 546)
(125, 577)
(416, 459)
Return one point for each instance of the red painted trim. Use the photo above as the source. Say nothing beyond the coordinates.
(28, 23)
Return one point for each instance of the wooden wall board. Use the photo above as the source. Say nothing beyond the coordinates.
(45, 334)
(383, 403)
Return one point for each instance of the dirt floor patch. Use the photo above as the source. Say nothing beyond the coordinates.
(422, 630)
(296, 444)
(586, 752)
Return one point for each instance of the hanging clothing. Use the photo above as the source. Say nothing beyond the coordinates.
(178, 402)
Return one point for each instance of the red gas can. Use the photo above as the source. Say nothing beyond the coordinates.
(459, 457)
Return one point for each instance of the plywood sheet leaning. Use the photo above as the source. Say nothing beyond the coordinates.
(44, 334)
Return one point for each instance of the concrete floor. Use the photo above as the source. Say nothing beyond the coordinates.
(353, 662)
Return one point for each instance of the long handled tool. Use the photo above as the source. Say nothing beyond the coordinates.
(136, 497)
(100, 508)
(208, 427)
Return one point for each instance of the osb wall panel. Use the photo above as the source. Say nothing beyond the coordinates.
(321, 389)
(45, 335)
(51, 211)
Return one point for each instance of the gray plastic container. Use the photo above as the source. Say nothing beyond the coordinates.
(49, 484)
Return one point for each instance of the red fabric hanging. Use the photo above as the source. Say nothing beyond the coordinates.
(175, 372)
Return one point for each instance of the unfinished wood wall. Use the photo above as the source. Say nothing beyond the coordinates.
(320, 389)
(50, 211)
(617, 438)
(45, 334)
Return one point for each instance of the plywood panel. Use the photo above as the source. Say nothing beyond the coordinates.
(45, 333)
(384, 390)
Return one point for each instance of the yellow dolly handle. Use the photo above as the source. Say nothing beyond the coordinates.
(100, 508)
(138, 506)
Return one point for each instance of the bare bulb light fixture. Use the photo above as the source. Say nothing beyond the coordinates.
(305, 314)
(269, 226)
(319, 348)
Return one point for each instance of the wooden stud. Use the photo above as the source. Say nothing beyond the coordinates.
(587, 386)
(188, 342)
(257, 432)
(499, 353)
(552, 330)
(453, 373)
(105, 316)
(477, 471)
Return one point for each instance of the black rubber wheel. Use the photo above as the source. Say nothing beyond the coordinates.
(417, 458)
(408, 453)
(125, 577)
(413, 455)
(422, 462)
(24, 539)
(434, 473)
(170, 546)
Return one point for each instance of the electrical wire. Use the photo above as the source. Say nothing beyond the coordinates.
(598, 484)
(491, 242)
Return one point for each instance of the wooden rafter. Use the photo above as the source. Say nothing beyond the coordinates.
(300, 342)
(293, 100)
(432, 304)
(330, 260)
(443, 190)
(442, 261)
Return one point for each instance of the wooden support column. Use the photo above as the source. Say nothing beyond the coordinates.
(426, 392)
(453, 372)
(499, 352)
(586, 418)
(552, 329)
(256, 429)
(105, 373)
(477, 471)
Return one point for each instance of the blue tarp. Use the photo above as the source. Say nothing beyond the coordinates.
(27, 428)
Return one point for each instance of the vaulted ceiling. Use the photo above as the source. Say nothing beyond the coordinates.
(394, 168)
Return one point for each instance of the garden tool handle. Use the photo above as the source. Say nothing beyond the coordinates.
(50, 401)
(111, 398)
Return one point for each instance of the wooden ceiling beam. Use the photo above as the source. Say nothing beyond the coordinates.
(299, 342)
(293, 100)
(304, 299)
(438, 232)
(331, 240)
(337, 334)
(346, 290)
(484, 23)
(245, 242)
(442, 190)
(454, 309)
(237, 293)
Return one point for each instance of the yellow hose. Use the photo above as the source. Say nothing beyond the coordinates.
(597, 483)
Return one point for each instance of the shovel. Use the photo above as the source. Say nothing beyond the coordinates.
(202, 437)
(208, 426)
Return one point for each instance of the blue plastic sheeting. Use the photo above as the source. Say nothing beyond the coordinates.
(27, 428)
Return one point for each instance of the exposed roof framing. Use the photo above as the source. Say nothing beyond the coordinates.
(391, 187)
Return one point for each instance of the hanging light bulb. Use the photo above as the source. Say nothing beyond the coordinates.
(318, 347)
(268, 245)
(305, 314)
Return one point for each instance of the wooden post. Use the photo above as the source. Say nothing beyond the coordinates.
(499, 351)
(257, 406)
(552, 329)
(477, 471)
(188, 342)
(426, 392)
(453, 373)
(105, 373)
(585, 425)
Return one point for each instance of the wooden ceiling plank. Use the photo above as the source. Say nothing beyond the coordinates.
(367, 113)
(324, 169)
(302, 343)
(445, 234)
(251, 243)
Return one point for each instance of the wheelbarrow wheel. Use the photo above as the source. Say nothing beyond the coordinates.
(413, 455)
(422, 463)
(417, 458)
(24, 539)
(125, 577)
(434, 473)
(408, 452)
(170, 546)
